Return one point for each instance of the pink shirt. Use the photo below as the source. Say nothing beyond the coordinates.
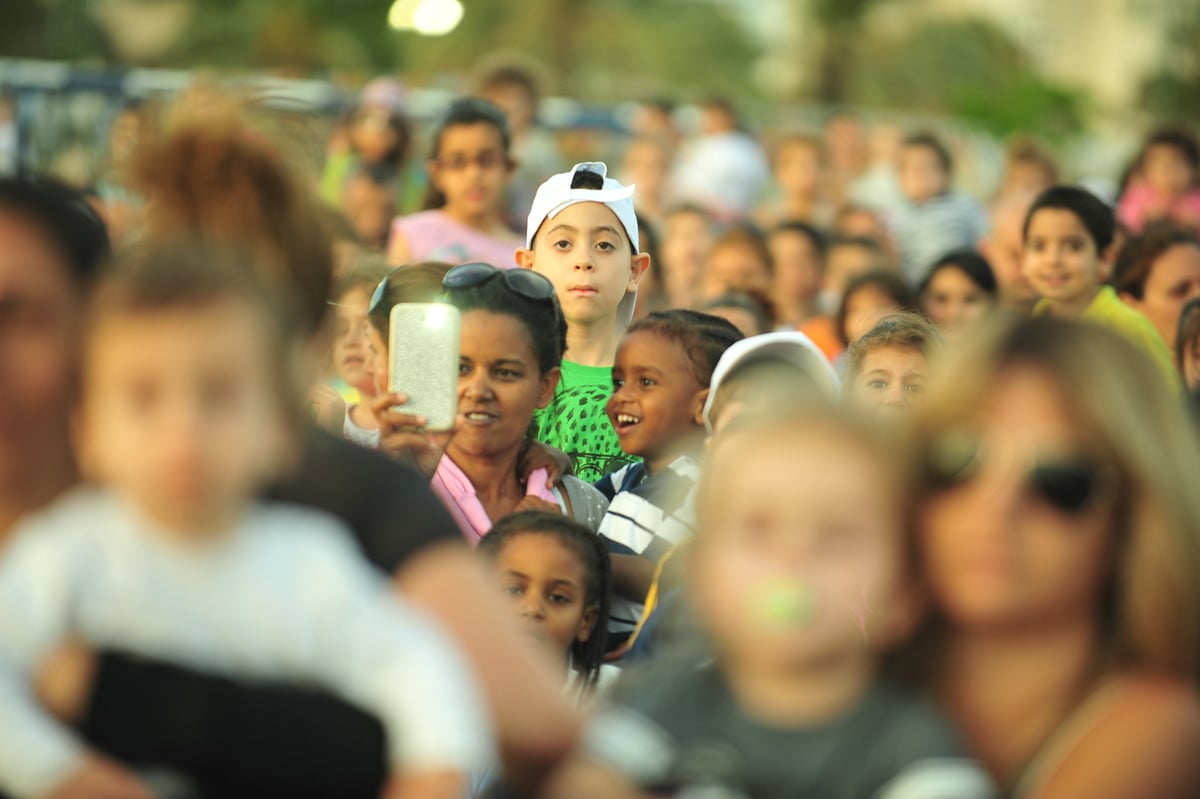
(1136, 205)
(435, 236)
(454, 488)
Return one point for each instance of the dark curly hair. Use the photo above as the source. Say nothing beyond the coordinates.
(702, 336)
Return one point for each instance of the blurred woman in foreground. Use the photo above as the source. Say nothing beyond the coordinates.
(1058, 528)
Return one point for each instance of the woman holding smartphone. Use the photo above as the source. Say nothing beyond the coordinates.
(512, 337)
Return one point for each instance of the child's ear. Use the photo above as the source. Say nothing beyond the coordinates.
(698, 400)
(637, 268)
(549, 384)
(524, 258)
(587, 624)
(1108, 259)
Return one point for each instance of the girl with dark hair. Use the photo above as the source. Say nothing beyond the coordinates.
(512, 340)
(470, 164)
(1164, 182)
(870, 297)
(558, 575)
(373, 138)
(959, 288)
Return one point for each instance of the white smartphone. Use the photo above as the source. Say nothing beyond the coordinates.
(423, 351)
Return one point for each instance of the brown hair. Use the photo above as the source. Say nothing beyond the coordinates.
(213, 175)
(908, 329)
(747, 237)
(1137, 257)
(1137, 424)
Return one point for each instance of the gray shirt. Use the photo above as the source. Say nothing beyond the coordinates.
(680, 731)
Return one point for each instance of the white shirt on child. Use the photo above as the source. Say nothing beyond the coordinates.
(284, 597)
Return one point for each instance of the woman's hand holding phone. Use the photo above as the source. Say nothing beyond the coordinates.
(403, 436)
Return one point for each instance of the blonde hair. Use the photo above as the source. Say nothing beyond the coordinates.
(905, 329)
(1138, 425)
(886, 446)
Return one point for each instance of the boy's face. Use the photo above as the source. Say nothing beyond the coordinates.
(179, 414)
(586, 254)
(734, 267)
(687, 241)
(1003, 252)
(799, 559)
(798, 168)
(891, 380)
(1059, 257)
(645, 165)
(656, 401)
(847, 261)
(798, 266)
(921, 173)
(369, 207)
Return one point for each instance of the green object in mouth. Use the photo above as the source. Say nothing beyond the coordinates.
(781, 603)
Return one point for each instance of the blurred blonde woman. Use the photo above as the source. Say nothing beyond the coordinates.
(1058, 529)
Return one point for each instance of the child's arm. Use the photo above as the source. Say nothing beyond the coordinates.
(632, 576)
(38, 756)
(382, 655)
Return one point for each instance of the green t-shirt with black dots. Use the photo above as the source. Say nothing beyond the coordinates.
(576, 423)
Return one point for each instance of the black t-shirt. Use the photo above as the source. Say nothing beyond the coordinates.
(235, 740)
(389, 507)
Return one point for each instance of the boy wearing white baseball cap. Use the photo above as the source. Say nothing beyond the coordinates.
(583, 235)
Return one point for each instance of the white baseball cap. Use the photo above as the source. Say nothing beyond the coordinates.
(556, 194)
(789, 346)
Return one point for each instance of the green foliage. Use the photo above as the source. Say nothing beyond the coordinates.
(973, 69)
(601, 50)
(1173, 91)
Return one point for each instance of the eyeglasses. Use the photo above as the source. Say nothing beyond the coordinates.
(488, 159)
(525, 282)
(1070, 484)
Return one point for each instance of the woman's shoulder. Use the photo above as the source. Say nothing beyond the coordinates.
(1141, 741)
(588, 504)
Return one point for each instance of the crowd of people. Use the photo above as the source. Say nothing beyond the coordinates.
(779, 466)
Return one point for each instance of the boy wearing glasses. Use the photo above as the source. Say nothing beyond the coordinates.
(582, 234)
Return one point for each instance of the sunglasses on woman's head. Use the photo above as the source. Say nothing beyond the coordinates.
(525, 282)
(1068, 483)
(380, 292)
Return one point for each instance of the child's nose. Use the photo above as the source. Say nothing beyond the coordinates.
(533, 607)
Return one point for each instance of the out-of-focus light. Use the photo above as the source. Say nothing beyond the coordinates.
(437, 17)
(400, 15)
(426, 17)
